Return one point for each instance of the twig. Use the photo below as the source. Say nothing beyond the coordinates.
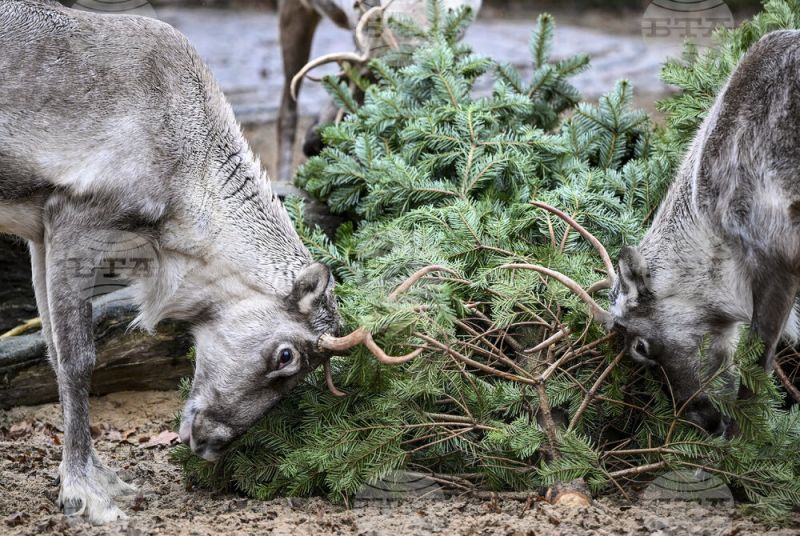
(786, 381)
(34, 323)
(515, 344)
(548, 341)
(547, 419)
(593, 391)
(633, 471)
(464, 359)
(636, 452)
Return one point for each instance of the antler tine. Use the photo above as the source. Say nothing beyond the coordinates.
(329, 380)
(361, 41)
(338, 344)
(339, 57)
(416, 276)
(382, 357)
(322, 60)
(330, 343)
(598, 313)
(362, 336)
(584, 233)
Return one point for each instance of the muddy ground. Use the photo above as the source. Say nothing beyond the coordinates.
(133, 433)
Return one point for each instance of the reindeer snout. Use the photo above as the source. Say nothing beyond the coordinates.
(185, 432)
(703, 413)
(206, 437)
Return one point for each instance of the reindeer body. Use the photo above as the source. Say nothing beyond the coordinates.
(111, 127)
(724, 247)
(298, 21)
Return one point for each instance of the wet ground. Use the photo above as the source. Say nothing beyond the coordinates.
(132, 434)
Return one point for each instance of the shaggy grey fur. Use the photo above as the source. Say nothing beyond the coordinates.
(111, 127)
(724, 248)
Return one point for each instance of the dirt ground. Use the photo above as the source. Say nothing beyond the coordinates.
(133, 433)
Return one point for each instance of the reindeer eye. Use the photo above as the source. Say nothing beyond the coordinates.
(286, 356)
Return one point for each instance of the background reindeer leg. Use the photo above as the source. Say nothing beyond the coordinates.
(297, 26)
(71, 250)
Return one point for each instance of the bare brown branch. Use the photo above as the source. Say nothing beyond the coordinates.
(593, 391)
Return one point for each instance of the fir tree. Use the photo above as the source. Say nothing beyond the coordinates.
(431, 174)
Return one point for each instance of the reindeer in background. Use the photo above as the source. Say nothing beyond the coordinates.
(298, 20)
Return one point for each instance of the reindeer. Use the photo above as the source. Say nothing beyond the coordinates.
(298, 20)
(724, 247)
(111, 127)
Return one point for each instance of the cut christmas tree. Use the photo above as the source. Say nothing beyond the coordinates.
(503, 205)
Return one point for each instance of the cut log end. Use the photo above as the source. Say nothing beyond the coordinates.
(574, 494)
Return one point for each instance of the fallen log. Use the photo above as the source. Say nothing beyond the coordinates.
(127, 359)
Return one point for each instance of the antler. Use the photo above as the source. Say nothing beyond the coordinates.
(588, 236)
(362, 336)
(328, 342)
(598, 313)
(340, 57)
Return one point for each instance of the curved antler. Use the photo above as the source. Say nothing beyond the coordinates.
(340, 57)
(329, 343)
(337, 57)
(362, 336)
(588, 236)
(598, 313)
(329, 380)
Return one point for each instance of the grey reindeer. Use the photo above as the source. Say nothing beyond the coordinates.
(724, 247)
(111, 127)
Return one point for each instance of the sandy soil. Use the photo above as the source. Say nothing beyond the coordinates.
(128, 428)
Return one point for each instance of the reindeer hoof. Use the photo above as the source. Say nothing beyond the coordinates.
(72, 507)
(83, 497)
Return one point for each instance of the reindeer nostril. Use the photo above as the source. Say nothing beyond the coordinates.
(703, 413)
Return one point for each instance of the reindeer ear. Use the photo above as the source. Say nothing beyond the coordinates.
(633, 273)
(310, 286)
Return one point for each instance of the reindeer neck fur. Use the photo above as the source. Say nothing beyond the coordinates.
(687, 256)
(228, 236)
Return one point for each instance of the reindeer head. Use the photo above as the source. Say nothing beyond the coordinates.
(664, 319)
(250, 353)
(253, 352)
(659, 315)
